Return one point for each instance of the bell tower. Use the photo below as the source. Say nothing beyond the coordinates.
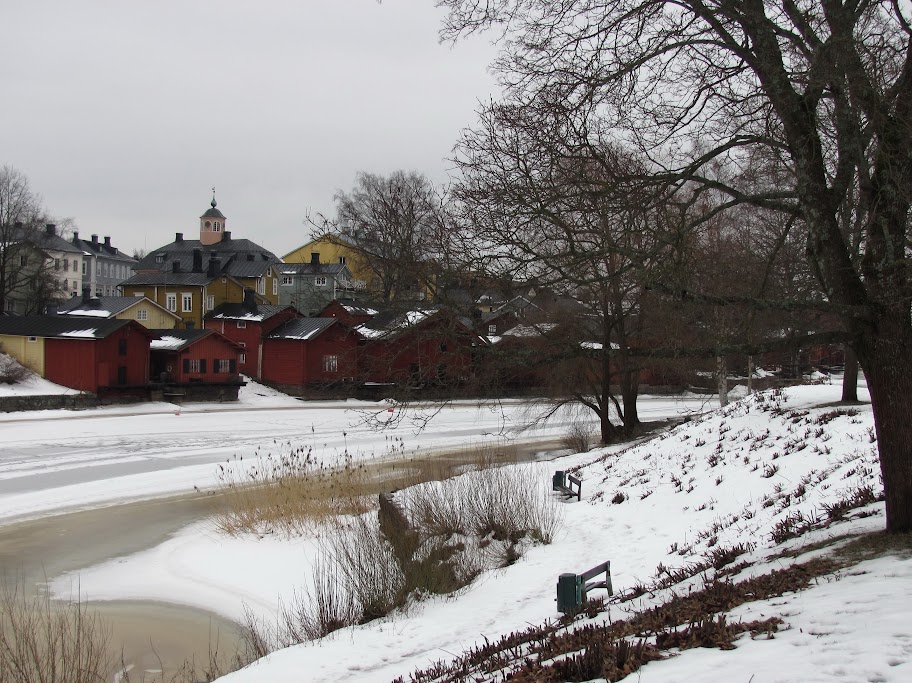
(212, 224)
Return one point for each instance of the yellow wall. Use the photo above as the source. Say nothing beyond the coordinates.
(330, 249)
(29, 354)
(156, 319)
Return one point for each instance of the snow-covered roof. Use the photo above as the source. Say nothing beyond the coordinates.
(82, 334)
(89, 313)
(166, 343)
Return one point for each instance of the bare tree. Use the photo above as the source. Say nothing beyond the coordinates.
(395, 222)
(26, 277)
(824, 89)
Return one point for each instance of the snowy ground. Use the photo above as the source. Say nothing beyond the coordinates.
(729, 478)
(56, 460)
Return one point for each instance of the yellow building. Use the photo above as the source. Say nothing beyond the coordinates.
(142, 309)
(331, 249)
(190, 278)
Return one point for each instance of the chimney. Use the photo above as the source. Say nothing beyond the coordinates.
(95, 241)
(226, 236)
(176, 266)
(107, 244)
(178, 237)
(249, 301)
(315, 258)
(75, 237)
(50, 229)
(94, 302)
(215, 264)
(86, 294)
(197, 260)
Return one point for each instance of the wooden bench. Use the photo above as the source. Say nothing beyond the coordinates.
(572, 589)
(565, 483)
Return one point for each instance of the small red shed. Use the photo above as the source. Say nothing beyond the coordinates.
(194, 356)
(247, 324)
(348, 312)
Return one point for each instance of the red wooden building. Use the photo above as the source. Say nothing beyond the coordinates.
(420, 348)
(183, 357)
(310, 352)
(84, 354)
(247, 324)
(348, 312)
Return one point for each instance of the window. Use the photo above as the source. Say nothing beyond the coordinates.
(216, 226)
(160, 258)
(121, 347)
(186, 303)
(139, 294)
(66, 265)
(342, 260)
(330, 364)
(210, 302)
(275, 287)
(33, 339)
(287, 280)
(75, 265)
(320, 281)
(142, 314)
(241, 324)
(261, 285)
(492, 329)
(75, 286)
(195, 365)
(171, 302)
(242, 357)
(56, 264)
(225, 366)
(65, 287)
(83, 267)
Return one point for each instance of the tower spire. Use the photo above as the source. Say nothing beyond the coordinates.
(213, 203)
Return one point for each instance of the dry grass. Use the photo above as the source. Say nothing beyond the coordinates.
(45, 642)
(578, 438)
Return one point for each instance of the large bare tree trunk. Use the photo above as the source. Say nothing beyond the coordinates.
(850, 375)
(630, 387)
(722, 380)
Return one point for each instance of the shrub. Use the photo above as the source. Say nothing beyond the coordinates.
(578, 438)
(11, 372)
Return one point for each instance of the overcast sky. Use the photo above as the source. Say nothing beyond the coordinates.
(124, 114)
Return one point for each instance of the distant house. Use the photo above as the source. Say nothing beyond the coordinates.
(420, 347)
(329, 249)
(141, 309)
(193, 277)
(86, 354)
(104, 266)
(46, 268)
(310, 352)
(246, 324)
(186, 357)
(310, 286)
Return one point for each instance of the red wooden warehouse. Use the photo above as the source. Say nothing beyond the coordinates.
(310, 352)
(182, 357)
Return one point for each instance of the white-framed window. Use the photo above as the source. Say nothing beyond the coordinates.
(492, 329)
(320, 281)
(33, 339)
(210, 302)
(241, 324)
(66, 264)
(75, 265)
(261, 285)
(275, 287)
(171, 302)
(216, 226)
(186, 302)
(342, 260)
(330, 363)
(223, 365)
(242, 358)
(139, 295)
(159, 258)
(194, 365)
(142, 314)
(287, 280)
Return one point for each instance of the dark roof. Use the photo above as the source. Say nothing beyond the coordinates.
(311, 269)
(176, 340)
(99, 248)
(62, 326)
(303, 328)
(168, 278)
(242, 312)
(353, 308)
(213, 212)
(42, 239)
(239, 257)
(113, 304)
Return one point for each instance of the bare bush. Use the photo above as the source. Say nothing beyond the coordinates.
(11, 371)
(46, 642)
(578, 438)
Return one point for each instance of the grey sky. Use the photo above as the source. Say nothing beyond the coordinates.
(124, 114)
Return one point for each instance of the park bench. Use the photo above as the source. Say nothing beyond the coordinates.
(565, 483)
(572, 589)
